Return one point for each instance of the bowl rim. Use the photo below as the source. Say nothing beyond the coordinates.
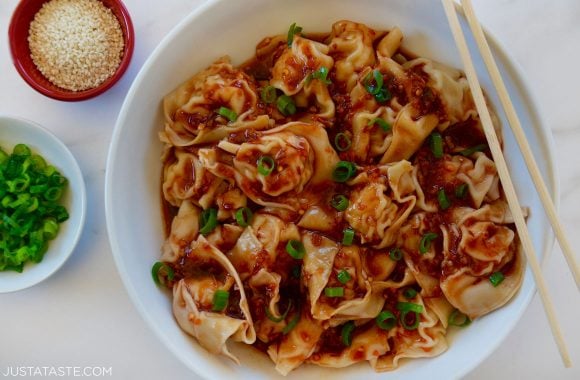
(518, 77)
(64, 95)
(77, 176)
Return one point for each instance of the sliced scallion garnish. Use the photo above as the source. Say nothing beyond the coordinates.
(293, 322)
(333, 292)
(386, 320)
(227, 113)
(425, 242)
(409, 293)
(343, 276)
(208, 221)
(161, 269)
(373, 82)
(381, 123)
(339, 202)
(469, 151)
(295, 248)
(343, 171)
(396, 254)
(342, 142)
(281, 317)
(266, 165)
(444, 202)
(292, 31)
(383, 96)
(457, 318)
(461, 191)
(322, 75)
(346, 333)
(220, 300)
(496, 278)
(268, 94)
(347, 236)
(244, 216)
(406, 308)
(286, 105)
(416, 319)
(436, 143)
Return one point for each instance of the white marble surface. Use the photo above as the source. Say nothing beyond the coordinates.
(82, 316)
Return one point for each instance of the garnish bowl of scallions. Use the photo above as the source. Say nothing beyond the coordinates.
(42, 204)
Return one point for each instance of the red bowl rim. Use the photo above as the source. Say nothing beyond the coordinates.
(70, 96)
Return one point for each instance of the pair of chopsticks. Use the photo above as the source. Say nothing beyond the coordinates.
(500, 163)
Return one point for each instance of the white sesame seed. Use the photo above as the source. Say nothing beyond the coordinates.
(76, 44)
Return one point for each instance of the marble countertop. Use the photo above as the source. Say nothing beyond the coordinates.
(82, 316)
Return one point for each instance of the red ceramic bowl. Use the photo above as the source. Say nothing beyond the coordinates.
(18, 36)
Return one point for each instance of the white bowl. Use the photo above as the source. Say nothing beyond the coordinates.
(14, 131)
(234, 28)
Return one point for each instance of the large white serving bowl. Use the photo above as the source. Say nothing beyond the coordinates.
(233, 28)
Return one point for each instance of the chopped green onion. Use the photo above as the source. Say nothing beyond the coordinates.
(383, 96)
(228, 113)
(409, 306)
(469, 151)
(162, 269)
(208, 221)
(21, 150)
(295, 248)
(386, 320)
(374, 88)
(294, 29)
(244, 216)
(220, 300)
(406, 308)
(416, 319)
(286, 105)
(346, 333)
(339, 202)
(385, 126)
(461, 191)
(343, 276)
(266, 165)
(50, 228)
(281, 317)
(343, 171)
(436, 143)
(268, 94)
(321, 74)
(444, 202)
(36, 189)
(342, 142)
(37, 162)
(347, 236)
(457, 318)
(30, 212)
(53, 194)
(396, 254)
(496, 278)
(334, 292)
(409, 293)
(425, 243)
(293, 322)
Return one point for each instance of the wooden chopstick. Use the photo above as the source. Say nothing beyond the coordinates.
(518, 131)
(504, 176)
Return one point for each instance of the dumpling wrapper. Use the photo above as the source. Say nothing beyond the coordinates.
(211, 329)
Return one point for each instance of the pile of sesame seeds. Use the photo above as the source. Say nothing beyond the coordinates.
(76, 44)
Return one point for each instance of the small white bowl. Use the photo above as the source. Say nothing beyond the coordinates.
(14, 131)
